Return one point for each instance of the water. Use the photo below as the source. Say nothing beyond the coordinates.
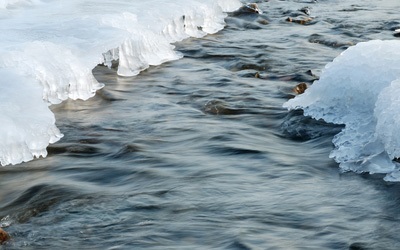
(199, 153)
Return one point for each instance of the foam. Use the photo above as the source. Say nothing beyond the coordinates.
(48, 49)
(360, 89)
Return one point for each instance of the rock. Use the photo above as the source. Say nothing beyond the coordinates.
(301, 21)
(263, 21)
(329, 41)
(396, 33)
(358, 246)
(249, 8)
(300, 88)
(218, 107)
(4, 236)
(309, 72)
(305, 10)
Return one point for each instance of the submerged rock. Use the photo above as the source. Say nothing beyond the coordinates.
(4, 236)
(218, 107)
(302, 21)
(263, 21)
(329, 41)
(308, 77)
(358, 246)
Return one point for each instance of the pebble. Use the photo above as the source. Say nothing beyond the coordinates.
(300, 88)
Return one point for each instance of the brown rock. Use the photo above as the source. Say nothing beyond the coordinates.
(301, 21)
(4, 236)
(300, 88)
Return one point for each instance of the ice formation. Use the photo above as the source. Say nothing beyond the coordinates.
(48, 49)
(361, 90)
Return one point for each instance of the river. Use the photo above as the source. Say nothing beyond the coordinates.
(198, 153)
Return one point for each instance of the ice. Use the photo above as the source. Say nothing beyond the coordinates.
(48, 49)
(361, 90)
(27, 124)
(16, 3)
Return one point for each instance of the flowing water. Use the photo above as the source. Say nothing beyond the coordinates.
(198, 153)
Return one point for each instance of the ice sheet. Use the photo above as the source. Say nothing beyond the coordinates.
(48, 49)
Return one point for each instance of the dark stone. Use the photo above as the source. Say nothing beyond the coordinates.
(218, 107)
(358, 246)
(305, 10)
(250, 8)
(302, 21)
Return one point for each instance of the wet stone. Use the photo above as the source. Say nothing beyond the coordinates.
(263, 21)
(353, 8)
(319, 39)
(299, 77)
(300, 88)
(358, 246)
(218, 107)
(302, 21)
(249, 8)
(306, 10)
(249, 74)
(4, 236)
(309, 72)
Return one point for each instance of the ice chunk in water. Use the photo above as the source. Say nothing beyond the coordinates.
(360, 89)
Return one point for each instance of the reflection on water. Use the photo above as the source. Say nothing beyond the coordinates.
(198, 153)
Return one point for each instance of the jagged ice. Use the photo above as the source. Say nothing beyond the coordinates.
(360, 89)
(48, 49)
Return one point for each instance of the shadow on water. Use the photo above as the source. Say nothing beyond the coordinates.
(298, 127)
(35, 201)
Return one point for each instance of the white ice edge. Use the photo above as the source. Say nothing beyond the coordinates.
(48, 49)
(360, 89)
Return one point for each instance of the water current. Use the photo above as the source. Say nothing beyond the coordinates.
(198, 153)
